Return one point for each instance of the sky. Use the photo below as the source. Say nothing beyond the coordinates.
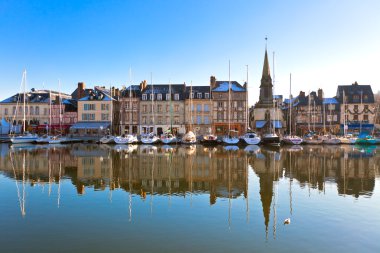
(323, 44)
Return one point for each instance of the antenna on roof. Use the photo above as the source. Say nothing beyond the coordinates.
(266, 39)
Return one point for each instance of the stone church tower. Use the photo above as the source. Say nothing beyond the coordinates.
(267, 112)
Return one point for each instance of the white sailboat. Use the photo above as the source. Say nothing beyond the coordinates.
(58, 138)
(168, 137)
(230, 138)
(26, 137)
(189, 137)
(291, 139)
(250, 137)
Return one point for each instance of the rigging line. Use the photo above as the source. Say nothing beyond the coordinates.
(17, 187)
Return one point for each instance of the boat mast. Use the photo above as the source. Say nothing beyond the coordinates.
(171, 107)
(229, 96)
(290, 106)
(344, 115)
(324, 113)
(274, 102)
(309, 112)
(152, 95)
(49, 126)
(246, 103)
(24, 106)
(191, 105)
(60, 106)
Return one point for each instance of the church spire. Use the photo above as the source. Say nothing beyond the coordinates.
(266, 70)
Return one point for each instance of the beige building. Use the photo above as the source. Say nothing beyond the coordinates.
(98, 113)
(162, 107)
(198, 109)
(228, 116)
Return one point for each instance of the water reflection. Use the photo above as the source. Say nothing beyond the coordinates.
(219, 172)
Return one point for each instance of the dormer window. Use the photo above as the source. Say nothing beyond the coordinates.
(176, 96)
(207, 95)
(144, 97)
(159, 96)
(199, 95)
(191, 95)
(167, 96)
(151, 97)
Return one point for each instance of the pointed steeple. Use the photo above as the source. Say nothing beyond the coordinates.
(266, 70)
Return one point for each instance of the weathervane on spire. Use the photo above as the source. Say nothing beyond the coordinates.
(266, 39)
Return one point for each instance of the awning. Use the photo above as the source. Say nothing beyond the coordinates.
(260, 123)
(90, 125)
(277, 123)
(357, 125)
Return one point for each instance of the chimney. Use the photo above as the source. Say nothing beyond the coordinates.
(212, 82)
(143, 85)
(81, 87)
(320, 94)
(117, 92)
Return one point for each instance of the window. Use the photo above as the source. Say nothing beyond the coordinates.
(105, 107)
(159, 96)
(199, 95)
(356, 118)
(144, 108)
(220, 116)
(206, 120)
(14, 109)
(207, 95)
(45, 111)
(199, 120)
(151, 96)
(176, 108)
(365, 117)
(159, 120)
(356, 97)
(88, 116)
(366, 107)
(167, 108)
(37, 110)
(220, 104)
(6, 111)
(206, 108)
(176, 120)
(144, 119)
(31, 110)
(167, 96)
(159, 108)
(176, 96)
(199, 108)
(105, 116)
(356, 107)
(89, 107)
(144, 97)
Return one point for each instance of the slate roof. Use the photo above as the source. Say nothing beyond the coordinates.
(164, 89)
(35, 96)
(196, 90)
(98, 94)
(87, 92)
(222, 86)
(134, 89)
(361, 92)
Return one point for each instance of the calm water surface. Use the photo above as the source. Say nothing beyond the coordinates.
(92, 198)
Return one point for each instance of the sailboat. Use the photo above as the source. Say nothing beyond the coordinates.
(311, 137)
(168, 137)
(328, 139)
(189, 137)
(26, 137)
(291, 139)
(151, 138)
(58, 138)
(250, 137)
(229, 138)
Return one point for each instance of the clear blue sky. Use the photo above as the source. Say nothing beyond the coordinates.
(322, 43)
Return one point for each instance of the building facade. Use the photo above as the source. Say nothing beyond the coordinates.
(162, 107)
(130, 109)
(229, 107)
(357, 108)
(198, 109)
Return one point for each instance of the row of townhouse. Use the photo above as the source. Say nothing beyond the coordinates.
(157, 108)
(352, 110)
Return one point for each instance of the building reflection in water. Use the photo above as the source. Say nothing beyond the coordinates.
(193, 170)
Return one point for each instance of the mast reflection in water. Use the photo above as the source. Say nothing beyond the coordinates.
(186, 198)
